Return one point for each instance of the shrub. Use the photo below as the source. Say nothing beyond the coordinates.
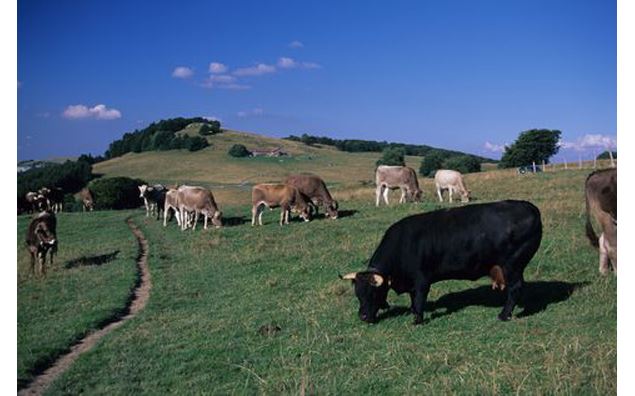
(431, 162)
(195, 143)
(392, 156)
(605, 155)
(211, 128)
(463, 164)
(239, 151)
(116, 193)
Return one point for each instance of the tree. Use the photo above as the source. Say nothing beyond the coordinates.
(195, 143)
(239, 151)
(463, 164)
(431, 162)
(392, 156)
(605, 155)
(116, 193)
(535, 145)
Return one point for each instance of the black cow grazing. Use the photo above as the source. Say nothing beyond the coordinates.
(41, 237)
(493, 239)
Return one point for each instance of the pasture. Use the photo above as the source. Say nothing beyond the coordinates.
(243, 310)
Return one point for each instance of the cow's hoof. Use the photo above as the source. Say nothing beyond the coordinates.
(418, 320)
(504, 318)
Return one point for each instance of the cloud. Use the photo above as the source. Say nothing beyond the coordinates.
(217, 68)
(311, 65)
(590, 141)
(182, 72)
(296, 44)
(287, 63)
(257, 70)
(224, 81)
(257, 111)
(100, 112)
(496, 148)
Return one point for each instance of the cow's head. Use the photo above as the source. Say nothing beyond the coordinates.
(416, 195)
(45, 236)
(466, 196)
(142, 190)
(217, 219)
(371, 290)
(331, 209)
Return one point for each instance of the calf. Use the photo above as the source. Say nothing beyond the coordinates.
(41, 237)
(153, 198)
(601, 204)
(314, 190)
(452, 181)
(198, 200)
(393, 177)
(277, 195)
(494, 239)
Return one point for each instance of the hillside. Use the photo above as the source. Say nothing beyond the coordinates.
(215, 169)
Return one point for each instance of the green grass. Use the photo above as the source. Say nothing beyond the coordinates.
(214, 290)
(79, 292)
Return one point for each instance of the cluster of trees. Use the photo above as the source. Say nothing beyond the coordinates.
(116, 193)
(605, 155)
(435, 160)
(534, 145)
(70, 176)
(354, 145)
(160, 136)
(239, 151)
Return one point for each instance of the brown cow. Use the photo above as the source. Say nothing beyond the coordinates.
(393, 177)
(601, 204)
(277, 195)
(315, 192)
(198, 200)
(41, 238)
(86, 196)
(451, 180)
(171, 202)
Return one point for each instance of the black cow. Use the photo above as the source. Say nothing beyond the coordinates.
(493, 239)
(41, 237)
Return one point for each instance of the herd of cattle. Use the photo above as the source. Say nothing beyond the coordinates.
(495, 239)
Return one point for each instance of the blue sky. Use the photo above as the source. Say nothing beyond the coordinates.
(465, 75)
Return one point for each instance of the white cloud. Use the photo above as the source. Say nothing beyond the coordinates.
(590, 141)
(257, 70)
(311, 65)
(287, 63)
(296, 44)
(100, 112)
(257, 111)
(182, 72)
(224, 81)
(217, 68)
(496, 148)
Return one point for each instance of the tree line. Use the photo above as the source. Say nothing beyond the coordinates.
(162, 135)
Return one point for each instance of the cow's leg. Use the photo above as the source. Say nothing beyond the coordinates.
(41, 257)
(402, 199)
(515, 286)
(420, 298)
(165, 217)
(32, 262)
(378, 192)
(604, 255)
(283, 213)
(386, 190)
(195, 220)
(205, 221)
(254, 209)
(450, 192)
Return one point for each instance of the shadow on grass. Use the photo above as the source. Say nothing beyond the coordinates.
(235, 221)
(536, 297)
(92, 260)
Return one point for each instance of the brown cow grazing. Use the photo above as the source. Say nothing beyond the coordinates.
(41, 238)
(393, 177)
(200, 201)
(171, 202)
(315, 192)
(86, 196)
(601, 204)
(277, 195)
(451, 180)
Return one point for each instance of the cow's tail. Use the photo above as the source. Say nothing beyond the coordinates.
(590, 233)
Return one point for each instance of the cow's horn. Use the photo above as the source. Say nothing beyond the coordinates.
(376, 280)
(349, 276)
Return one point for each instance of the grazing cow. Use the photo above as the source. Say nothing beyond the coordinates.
(86, 196)
(393, 177)
(153, 198)
(277, 195)
(54, 198)
(494, 239)
(171, 202)
(601, 204)
(200, 201)
(450, 180)
(41, 238)
(314, 190)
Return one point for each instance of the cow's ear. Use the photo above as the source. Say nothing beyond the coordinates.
(349, 276)
(376, 280)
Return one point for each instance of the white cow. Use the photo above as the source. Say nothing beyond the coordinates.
(450, 180)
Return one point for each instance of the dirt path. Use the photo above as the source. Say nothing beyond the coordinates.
(137, 302)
